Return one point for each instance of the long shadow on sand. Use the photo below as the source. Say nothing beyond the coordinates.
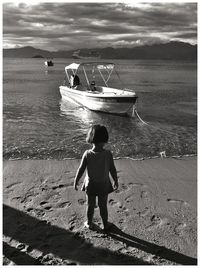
(70, 246)
(47, 238)
(148, 247)
(18, 257)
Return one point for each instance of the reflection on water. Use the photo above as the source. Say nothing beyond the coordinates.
(85, 116)
(131, 137)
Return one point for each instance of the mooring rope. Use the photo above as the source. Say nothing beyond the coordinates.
(145, 123)
(140, 118)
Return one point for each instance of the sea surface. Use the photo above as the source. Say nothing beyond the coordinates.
(38, 124)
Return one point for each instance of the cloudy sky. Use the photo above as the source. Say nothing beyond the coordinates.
(71, 25)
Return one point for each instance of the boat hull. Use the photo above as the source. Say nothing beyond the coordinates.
(109, 104)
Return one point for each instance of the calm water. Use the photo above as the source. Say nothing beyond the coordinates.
(37, 124)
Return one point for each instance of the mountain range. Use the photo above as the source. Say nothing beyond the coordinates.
(168, 51)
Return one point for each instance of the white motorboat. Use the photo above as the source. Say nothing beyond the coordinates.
(93, 95)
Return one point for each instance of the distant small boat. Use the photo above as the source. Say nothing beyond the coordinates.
(48, 63)
(93, 95)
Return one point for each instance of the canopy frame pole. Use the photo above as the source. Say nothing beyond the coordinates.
(109, 74)
(86, 76)
(120, 80)
(102, 77)
(67, 75)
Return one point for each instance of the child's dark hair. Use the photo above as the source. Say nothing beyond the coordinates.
(97, 134)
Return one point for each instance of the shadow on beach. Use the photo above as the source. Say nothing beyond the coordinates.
(18, 257)
(71, 247)
(49, 239)
(151, 248)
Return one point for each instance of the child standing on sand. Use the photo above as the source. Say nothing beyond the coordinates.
(99, 163)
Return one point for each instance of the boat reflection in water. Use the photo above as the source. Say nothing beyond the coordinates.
(79, 113)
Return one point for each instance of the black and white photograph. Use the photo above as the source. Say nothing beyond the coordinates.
(99, 132)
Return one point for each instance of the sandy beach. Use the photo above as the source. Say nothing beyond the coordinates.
(154, 213)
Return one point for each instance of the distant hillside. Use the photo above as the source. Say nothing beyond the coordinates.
(168, 51)
(38, 57)
(25, 52)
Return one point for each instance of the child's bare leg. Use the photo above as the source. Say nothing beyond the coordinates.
(102, 202)
(91, 201)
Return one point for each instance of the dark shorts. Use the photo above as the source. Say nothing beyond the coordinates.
(98, 189)
(102, 201)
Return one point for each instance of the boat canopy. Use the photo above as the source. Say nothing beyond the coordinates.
(73, 66)
(100, 66)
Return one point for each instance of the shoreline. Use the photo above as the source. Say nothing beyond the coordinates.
(154, 212)
(115, 158)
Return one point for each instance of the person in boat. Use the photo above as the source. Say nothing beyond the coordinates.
(74, 80)
(71, 81)
(99, 164)
(92, 86)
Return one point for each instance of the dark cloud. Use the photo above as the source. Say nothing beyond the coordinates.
(76, 25)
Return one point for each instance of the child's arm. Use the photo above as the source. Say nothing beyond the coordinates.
(80, 171)
(113, 172)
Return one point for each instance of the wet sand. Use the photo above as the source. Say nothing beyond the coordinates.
(154, 213)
